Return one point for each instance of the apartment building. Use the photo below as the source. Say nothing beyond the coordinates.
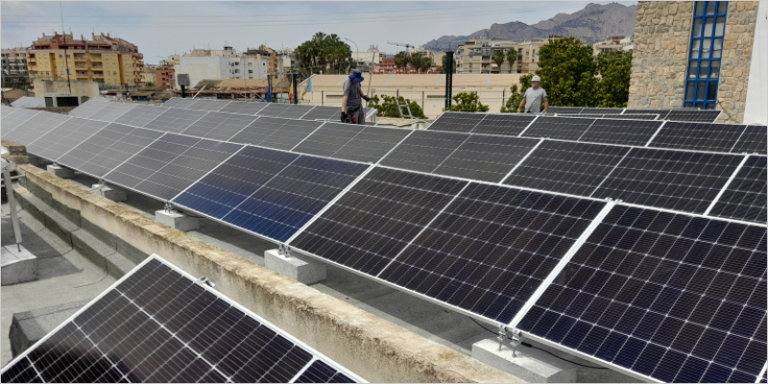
(206, 64)
(614, 44)
(476, 56)
(104, 59)
(14, 66)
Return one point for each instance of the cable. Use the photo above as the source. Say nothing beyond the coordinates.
(529, 345)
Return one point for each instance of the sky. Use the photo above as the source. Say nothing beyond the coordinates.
(164, 28)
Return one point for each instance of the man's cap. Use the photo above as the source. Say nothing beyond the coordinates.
(356, 76)
(536, 78)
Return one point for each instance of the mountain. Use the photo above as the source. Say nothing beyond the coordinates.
(592, 24)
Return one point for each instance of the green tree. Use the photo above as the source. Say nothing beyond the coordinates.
(415, 61)
(426, 64)
(567, 68)
(387, 107)
(498, 58)
(401, 60)
(511, 58)
(467, 102)
(327, 53)
(516, 96)
(445, 64)
(614, 69)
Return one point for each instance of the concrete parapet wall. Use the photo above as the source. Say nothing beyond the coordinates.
(376, 349)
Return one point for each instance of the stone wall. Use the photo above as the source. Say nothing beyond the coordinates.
(660, 58)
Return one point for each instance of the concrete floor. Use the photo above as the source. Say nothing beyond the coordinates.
(64, 275)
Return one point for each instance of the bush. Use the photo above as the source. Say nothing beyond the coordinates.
(387, 106)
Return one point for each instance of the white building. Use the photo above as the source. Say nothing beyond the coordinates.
(219, 65)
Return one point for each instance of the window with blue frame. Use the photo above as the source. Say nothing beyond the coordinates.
(705, 52)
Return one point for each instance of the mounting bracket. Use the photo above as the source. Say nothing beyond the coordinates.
(204, 281)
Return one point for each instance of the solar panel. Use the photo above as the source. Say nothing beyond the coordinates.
(179, 103)
(668, 296)
(171, 164)
(175, 120)
(87, 109)
(158, 324)
(295, 111)
(698, 136)
(320, 372)
(274, 109)
(456, 121)
(36, 127)
(753, 140)
(637, 116)
(554, 109)
(371, 144)
(219, 126)
(28, 102)
(567, 167)
(141, 115)
(491, 248)
(602, 111)
(486, 158)
(107, 149)
(290, 134)
(6, 110)
(112, 111)
(709, 115)
(320, 112)
(745, 197)
(63, 138)
(626, 132)
(506, 124)
(662, 112)
(328, 139)
(684, 181)
(280, 207)
(565, 128)
(244, 107)
(424, 151)
(208, 105)
(12, 121)
(375, 219)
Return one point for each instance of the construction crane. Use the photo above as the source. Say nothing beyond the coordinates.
(407, 46)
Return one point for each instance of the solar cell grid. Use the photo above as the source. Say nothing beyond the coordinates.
(424, 151)
(272, 132)
(505, 124)
(491, 248)
(320, 112)
(274, 109)
(63, 138)
(179, 103)
(286, 202)
(171, 164)
(208, 105)
(37, 126)
(685, 181)
(456, 121)
(556, 109)
(320, 372)
(625, 132)
(371, 144)
(753, 140)
(708, 116)
(698, 136)
(175, 120)
(567, 167)
(669, 296)
(564, 128)
(159, 325)
(12, 121)
(219, 126)
(486, 158)
(295, 111)
(87, 109)
(244, 107)
(107, 149)
(6, 110)
(376, 218)
(141, 115)
(328, 139)
(112, 111)
(745, 196)
(602, 111)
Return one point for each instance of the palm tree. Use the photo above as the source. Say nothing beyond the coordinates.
(511, 58)
(401, 60)
(498, 58)
(426, 64)
(415, 61)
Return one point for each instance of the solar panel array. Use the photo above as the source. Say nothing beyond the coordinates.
(28, 102)
(479, 223)
(673, 114)
(159, 324)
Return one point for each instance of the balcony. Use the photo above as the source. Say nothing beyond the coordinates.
(80, 58)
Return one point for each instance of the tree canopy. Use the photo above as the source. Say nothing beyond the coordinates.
(467, 102)
(326, 53)
(387, 106)
(498, 58)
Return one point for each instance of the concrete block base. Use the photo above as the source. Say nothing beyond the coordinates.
(530, 364)
(177, 220)
(299, 268)
(18, 265)
(64, 173)
(115, 195)
(27, 328)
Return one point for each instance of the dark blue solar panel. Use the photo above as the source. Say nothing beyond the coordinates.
(320, 372)
(670, 296)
